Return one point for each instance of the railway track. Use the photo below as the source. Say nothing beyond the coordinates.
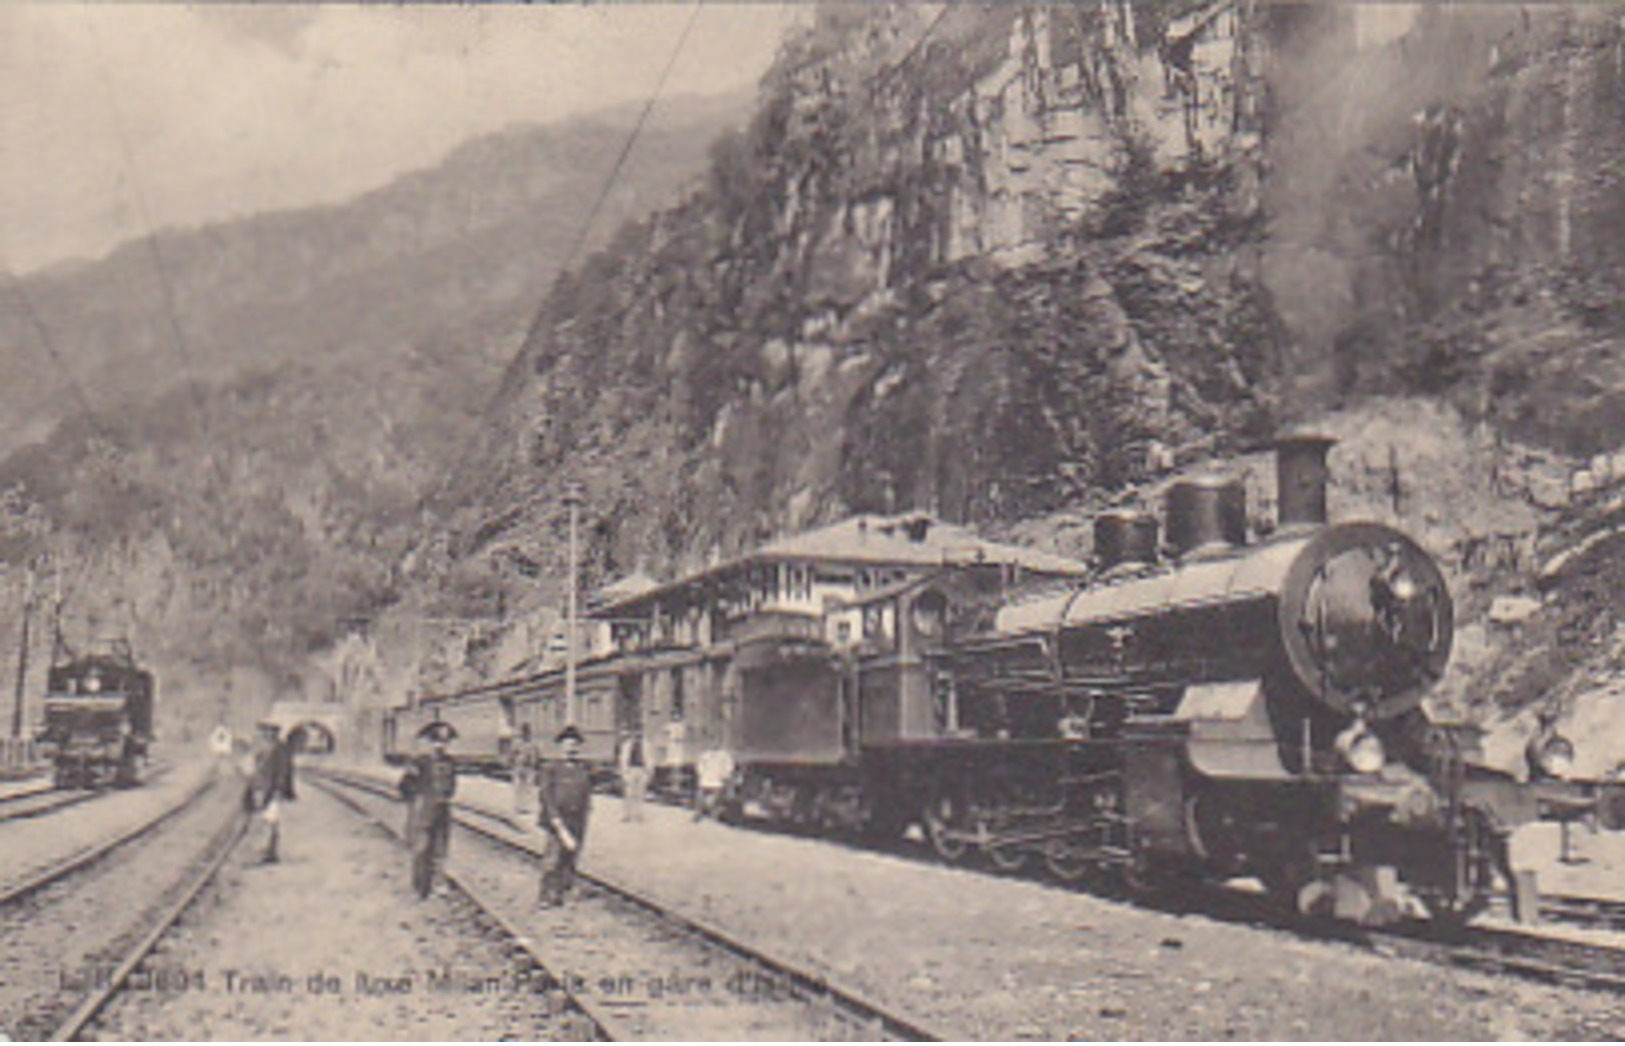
(39, 878)
(47, 799)
(24, 805)
(76, 929)
(770, 993)
(1525, 952)
(105, 989)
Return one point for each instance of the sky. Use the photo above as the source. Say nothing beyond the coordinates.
(118, 119)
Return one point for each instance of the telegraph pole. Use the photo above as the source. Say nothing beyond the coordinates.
(572, 501)
(56, 610)
(22, 654)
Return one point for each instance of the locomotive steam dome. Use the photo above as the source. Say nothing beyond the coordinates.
(1125, 536)
(1366, 619)
(1206, 513)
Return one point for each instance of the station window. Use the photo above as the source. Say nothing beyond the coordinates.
(677, 703)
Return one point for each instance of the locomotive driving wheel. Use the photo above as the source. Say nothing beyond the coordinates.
(1009, 857)
(1067, 861)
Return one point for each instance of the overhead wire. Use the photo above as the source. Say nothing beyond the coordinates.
(160, 265)
(584, 231)
(632, 138)
(473, 442)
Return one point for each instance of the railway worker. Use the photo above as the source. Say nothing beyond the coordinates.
(566, 796)
(634, 768)
(427, 786)
(525, 762)
(269, 785)
(712, 774)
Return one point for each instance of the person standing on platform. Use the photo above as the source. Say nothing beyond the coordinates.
(526, 765)
(270, 783)
(427, 786)
(566, 796)
(712, 774)
(634, 775)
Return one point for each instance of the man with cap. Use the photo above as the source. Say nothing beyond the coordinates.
(566, 795)
(428, 785)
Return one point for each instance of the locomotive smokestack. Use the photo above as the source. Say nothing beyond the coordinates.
(1125, 536)
(1301, 479)
(1206, 513)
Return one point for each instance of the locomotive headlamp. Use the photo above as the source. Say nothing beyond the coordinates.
(93, 684)
(1554, 757)
(1361, 749)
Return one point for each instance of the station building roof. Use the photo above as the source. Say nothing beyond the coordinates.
(910, 540)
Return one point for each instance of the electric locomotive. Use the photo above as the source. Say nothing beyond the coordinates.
(98, 719)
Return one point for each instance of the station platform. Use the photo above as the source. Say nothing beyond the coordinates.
(985, 956)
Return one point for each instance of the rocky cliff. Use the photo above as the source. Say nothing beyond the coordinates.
(984, 260)
(1012, 262)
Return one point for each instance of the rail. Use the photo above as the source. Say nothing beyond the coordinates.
(34, 881)
(857, 1008)
(93, 1004)
(605, 1025)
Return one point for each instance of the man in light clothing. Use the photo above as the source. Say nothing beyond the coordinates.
(526, 763)
(713, 772)
(634, 770)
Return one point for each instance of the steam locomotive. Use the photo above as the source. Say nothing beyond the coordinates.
(1213, 709)
(98, 719)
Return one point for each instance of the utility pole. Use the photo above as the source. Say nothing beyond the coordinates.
(572, 501)
(56, 610)
(22, 654)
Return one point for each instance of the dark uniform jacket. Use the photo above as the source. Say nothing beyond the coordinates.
(273, 777)
(566, 793)
(431, 780)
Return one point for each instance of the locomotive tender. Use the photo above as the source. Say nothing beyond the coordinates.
(98, 719)
(1215, 709)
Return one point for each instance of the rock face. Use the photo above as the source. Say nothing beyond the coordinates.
(1003, 262)
(1447, 215)
(981, 261)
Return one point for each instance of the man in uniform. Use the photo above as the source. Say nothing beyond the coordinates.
(428, 785)
(566, 795)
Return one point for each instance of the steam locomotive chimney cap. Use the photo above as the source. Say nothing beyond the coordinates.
(1301, 478)
(1305, 438)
